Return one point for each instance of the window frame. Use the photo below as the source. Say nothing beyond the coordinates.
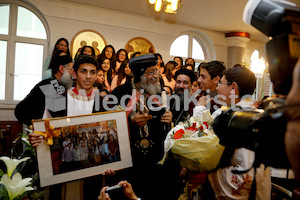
(12, 39)
(205, 43)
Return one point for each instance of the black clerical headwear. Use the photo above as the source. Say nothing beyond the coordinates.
(186, 72)
(138, 65)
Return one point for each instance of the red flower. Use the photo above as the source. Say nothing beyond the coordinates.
(192, 129)
(178, 134)
(194, 125)
(201, 128)
(206, 124)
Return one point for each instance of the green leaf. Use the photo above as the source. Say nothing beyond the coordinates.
(3, 193)
(1, 173)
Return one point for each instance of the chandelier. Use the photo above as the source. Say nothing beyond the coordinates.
(171, 6)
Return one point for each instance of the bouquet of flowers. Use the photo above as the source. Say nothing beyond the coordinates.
(194, 144)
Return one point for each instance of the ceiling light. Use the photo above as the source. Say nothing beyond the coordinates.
(152, 1)
(157, 6)
(171, 6)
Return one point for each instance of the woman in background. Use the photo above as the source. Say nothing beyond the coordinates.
(190, 61)
(105, 66)
(61, 44)
(121, 76)
(179, 61)
(120, 57)
(160, 64)
(87, 50)
(170, 70)
(107, 52)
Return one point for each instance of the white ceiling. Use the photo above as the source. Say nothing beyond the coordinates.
(217, 15)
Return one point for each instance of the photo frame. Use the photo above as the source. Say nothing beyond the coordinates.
(90, 38)
(54, 164)
(139, 44)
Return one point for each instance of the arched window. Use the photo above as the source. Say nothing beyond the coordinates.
(23, 41)
(190, 44)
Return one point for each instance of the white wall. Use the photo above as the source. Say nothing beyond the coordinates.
(66, 19)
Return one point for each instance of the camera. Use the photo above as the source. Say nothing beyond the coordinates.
(280, 20)
(261, 131)
(116, 192)
(157, 112)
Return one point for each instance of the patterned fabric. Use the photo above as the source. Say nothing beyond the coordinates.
(79, 104)
(229, 185)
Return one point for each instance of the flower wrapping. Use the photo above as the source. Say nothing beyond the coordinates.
(194, 144)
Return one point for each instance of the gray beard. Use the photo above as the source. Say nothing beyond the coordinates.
(66, 80)
(150, 87)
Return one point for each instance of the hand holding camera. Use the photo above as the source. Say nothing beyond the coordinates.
(118, 192)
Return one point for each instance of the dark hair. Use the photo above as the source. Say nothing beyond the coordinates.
(189, 59)
(121, 73)
(109, 72)
(237, 65)
(186, 65)
(244, 78)
(135, 54)
(58, 61)
(181, 60)
(102, 55)
(82, 59)
(104, 90)
(58, 41)
(199, 66)
(170, 66)
(162, 64)
(214, 68)
(186, 72)
(116, 58)
(55, 54)
(118, 52)
(93, 50)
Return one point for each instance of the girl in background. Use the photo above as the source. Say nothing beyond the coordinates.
(120, 57)
(61, 44)
(105, 66)
(179, 61)
(170, 70)
(121, 76)
(87, 50)
(107, 52)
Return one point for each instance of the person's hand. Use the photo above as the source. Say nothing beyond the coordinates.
(34, 139)
(204, 100)
(109, 172)
(103, 194)
(167, 117)
(128, 191)
(140, 119)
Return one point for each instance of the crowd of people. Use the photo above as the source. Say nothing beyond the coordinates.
(209, 86)
(88, 148)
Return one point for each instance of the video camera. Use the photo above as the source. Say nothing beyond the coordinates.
(263, 131)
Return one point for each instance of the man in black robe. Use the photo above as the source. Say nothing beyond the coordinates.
(51, 90)
(148, 130)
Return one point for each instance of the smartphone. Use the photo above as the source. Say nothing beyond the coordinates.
(116, 192)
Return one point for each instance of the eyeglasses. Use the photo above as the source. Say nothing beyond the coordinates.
(228, 83)
(69, 68)
(152, 72)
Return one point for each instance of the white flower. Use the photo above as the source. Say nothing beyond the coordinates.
(11, 164)
(15, 186)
